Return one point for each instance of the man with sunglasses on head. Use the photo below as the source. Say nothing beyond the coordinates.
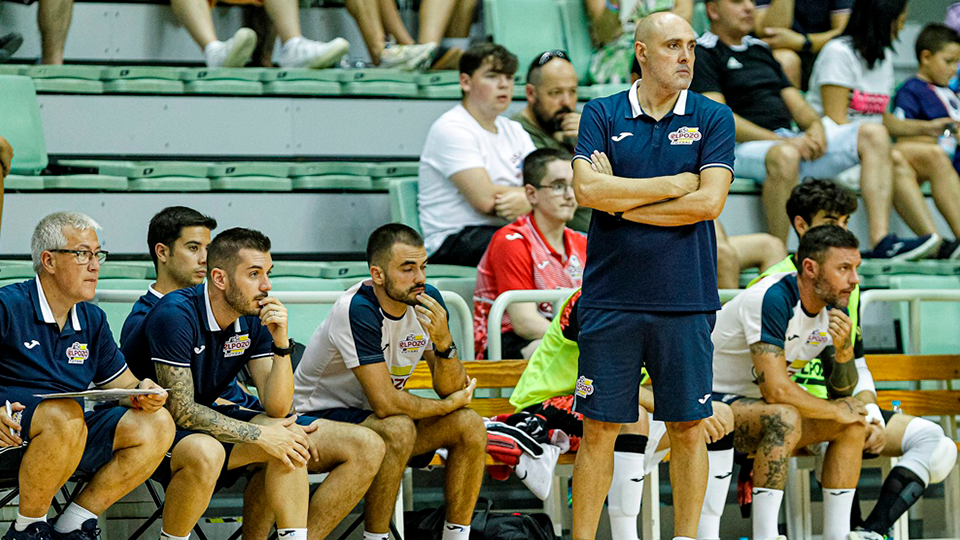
(537, 251)
(470, 180)
(52, 340)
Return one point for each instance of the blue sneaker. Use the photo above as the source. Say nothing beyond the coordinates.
(87, 531)
(895, 248)
(40, 530)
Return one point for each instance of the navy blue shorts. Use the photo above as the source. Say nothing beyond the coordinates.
(675, 348)
(356, 415)
(101, 431)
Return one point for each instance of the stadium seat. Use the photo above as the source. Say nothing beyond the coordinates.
(17, 182)
(66, 79)
(228, 81)
(251, 183)
(576, 35)
(700, 22)
(142, 80)
(394, 168)
(20, 124)
(601, 90)
(305, 318)
(249, 168)
(330, 167)
(511, 22)
(334, 181)
(376, 75)
(403, 202)
(441, 91)
(381, 88)
(170, 183)
(85, 182)
(439, 78)
(138, 169)
(319, 82)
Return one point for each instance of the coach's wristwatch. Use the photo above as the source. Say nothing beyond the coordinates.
(277, 351)
(451, 350)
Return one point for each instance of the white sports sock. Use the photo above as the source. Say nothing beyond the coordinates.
(766, 512)
(452, 531)
(72, 518)
(626, 492)
(213, 45)
(164, 535)
(836, 513)
(367, 535)
(715, 498)
(23, 521)
(292, 534)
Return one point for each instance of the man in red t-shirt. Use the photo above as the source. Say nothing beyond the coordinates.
(537, 251)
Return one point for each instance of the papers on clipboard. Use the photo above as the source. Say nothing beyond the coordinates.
(112, 394)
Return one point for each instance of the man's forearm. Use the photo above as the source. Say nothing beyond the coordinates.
(417, 408)
(905, 127)
(808, 406)
(194, 416)
(448, 376)
(691, 208)
(609, 193)
(778, 14)
(748, 131)
(278, 394)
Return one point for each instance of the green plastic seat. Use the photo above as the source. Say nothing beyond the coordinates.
(465, 288)
(350, 270)
(68, 86)
(302, 88)
(251, 183)
(17, 272)
(18, 182)
(394, 168)
(938, 332)
(20, 124)
(224, 87)
(86, 182)
(700, 22)
(381, 88)
(576, 35)
(600, 90)
(149, 271)
(403, 202)
(170, 183)
(110, 270)
(439, 78)
(314, 168)
(333, 181)
(275, 169)
(66, 79)
(376, 75)
(435, 271)
(142, 72)
(520, 91)
(304, 319)
(745, 186)
(442, 91)
(12, 69)
(138, 169)
(309, 269)
(511, 23)
(221, 74)
(299, 74)
(143, 86)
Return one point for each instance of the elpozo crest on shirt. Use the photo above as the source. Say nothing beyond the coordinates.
(685, 136)
(77, 353)
(236, 345)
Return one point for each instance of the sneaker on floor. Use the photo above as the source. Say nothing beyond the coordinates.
(9, 45)
(87, 531)
(40, 530)
(232, 53)
(863, 534)
(306, 53)
(407, 57)
(950, 250)
(895, 248)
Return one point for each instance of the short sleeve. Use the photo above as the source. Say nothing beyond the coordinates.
(838, 6)
(706, 76)
(171, 341)
(512, 268)
(453, 148)
(908, 103)
(719, 140)
(110, 362)
(836, 65)
(593, 131)
(359, 342)
(262, 341)
(765, 316)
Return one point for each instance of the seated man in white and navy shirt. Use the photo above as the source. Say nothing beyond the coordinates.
(358, 361)
(764, 336)
(52, 340)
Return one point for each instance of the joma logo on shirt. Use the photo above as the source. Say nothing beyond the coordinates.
(236, 345)
(685, 135)
(412, 343)
(77, 353)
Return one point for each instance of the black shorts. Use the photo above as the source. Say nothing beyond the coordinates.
(356, 415)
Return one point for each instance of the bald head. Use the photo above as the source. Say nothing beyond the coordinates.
(659, 25)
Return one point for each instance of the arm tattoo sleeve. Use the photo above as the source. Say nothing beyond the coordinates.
(189, 414)
(841, 378)
(761, 348)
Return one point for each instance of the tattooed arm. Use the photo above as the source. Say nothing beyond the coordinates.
(290, 447)
(776, 387)
(841, 377)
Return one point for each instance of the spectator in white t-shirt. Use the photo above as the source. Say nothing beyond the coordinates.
(853, 82)
(471, 179)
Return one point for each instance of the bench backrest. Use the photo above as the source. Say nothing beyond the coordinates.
(491, 375)
(915, 368)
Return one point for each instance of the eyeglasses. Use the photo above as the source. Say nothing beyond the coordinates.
(558, 188)
(84, 255)
(550, 55)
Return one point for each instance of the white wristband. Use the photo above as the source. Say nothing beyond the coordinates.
(873, 413)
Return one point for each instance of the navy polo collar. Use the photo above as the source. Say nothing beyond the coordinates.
(42, 309)
(679, 109)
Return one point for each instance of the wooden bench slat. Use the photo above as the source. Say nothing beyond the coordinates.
(922, 402)
(926, 367)
(489, 374)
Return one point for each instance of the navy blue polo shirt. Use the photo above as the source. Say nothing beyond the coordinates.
(641, 267)
(182, 331)
(35, 354)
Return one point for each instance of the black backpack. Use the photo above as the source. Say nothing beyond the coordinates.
(486, 525)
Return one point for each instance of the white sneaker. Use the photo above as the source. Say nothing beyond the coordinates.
(537, 473)
(862, 534)
(407, 57)
(234, 52)
(306, 53)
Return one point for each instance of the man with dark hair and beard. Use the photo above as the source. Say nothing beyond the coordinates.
(764, 336)
(197, 340)
(358, 361)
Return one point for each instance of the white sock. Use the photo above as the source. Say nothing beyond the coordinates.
(164, 535)
(23, 521)
(452, 531)
(766, 512)
(292, 41)
(836, 513)
(367, 535)
(626, 492)
(215, 44)
(683, 538)
(718, 485)
(72, 518)
(292, 534)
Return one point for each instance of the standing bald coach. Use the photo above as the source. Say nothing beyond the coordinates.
(656, 162)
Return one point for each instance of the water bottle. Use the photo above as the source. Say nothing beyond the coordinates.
(896, 406)
(948, 142)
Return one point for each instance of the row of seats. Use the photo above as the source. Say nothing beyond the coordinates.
(159, 80)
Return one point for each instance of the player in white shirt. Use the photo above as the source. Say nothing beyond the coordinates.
(761, 338)
(358, 361)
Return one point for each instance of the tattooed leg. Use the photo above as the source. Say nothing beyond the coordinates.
(770, 433)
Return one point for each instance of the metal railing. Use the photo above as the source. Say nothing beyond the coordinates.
(914, 297)
(454, 302)
(555, 296)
